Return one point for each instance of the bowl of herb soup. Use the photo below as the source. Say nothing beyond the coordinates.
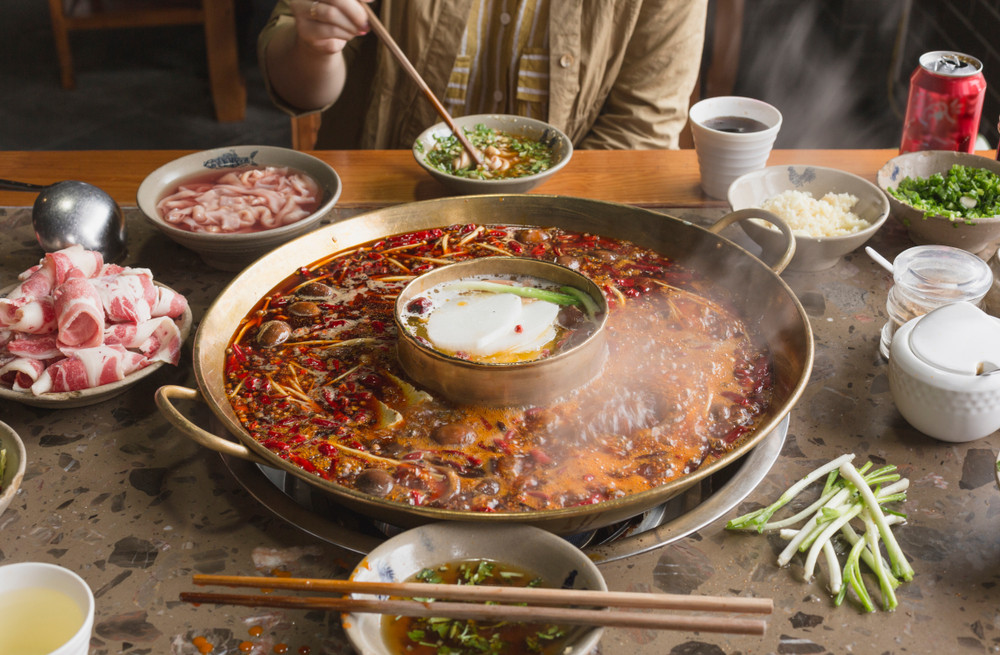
(518, 153)
(467, 553)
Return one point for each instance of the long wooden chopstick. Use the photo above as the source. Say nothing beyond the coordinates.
(484, 593)
(400, 56)
(521, 613)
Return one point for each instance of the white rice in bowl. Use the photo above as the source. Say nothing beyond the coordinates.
(829, 216)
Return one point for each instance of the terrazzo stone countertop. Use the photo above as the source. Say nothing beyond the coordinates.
(114, 493)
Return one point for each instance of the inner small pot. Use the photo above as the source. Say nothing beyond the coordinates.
(526, 382)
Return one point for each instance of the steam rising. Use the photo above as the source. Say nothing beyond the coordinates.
(826, 75)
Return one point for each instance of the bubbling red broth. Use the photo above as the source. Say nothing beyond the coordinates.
(311, 373)
(248, 199)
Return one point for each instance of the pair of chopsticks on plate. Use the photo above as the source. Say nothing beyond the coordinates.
(542, 605)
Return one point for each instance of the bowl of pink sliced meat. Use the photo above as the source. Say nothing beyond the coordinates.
(76, 331)
(233, 205)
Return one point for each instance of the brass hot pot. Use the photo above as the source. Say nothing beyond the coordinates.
(766, 303)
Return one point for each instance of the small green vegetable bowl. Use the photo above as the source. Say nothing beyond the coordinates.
(473, 127)
(13, 460)
(557, 562)
(977, 235)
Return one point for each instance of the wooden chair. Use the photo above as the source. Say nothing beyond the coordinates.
(305, 128)
(216, 16)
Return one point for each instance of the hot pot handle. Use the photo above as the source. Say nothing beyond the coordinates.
(745, 214)
(164, 397)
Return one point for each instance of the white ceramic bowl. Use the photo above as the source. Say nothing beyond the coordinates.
(978, 236)
(21, 589)
(811, 253)
(553, 558)
(933, 376)
(17, 461)
(94, 395)
(518, 125)
(233, 252)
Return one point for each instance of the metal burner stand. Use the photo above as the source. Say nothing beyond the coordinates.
(313, 512)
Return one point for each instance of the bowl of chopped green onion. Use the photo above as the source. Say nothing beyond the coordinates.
(946, 198)
(13, 460)
(453, 553)
(517, 153)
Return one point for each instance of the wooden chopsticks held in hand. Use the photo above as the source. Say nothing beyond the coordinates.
(543, 605)
(397, 52)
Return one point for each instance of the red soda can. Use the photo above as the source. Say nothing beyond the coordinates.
(946, 101)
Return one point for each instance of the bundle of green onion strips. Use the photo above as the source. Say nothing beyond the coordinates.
(849, 493)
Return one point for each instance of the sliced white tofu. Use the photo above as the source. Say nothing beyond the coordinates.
(470, 322)
(534, 330)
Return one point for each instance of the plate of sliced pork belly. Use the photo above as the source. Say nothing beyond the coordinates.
(76, 331)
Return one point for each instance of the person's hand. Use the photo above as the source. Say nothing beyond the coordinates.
(327, 25)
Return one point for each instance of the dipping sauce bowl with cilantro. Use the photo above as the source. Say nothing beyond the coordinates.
(13, 460)
(474, 553)
(945, 198)
(518, 153)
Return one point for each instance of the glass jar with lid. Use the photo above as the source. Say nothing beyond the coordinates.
(928, 277)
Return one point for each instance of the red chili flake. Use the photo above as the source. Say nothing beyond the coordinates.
(378, 326)
(736, 433)
(239, 352)
(303, 463)
(595, 497)
(323, 423)
(518, 329)
(258, 384)
(417, 497)
(735, 398)
(515, 247)
(589, 477)
(538, 250)
(276, 445)
(540, 456)
(264, 400)
(327, 449)
(418, 305)
(502, 445)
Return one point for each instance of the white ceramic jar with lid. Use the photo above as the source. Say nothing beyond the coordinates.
(928, 277)
(939, 372)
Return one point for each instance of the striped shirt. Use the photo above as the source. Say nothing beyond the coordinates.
(502, 64)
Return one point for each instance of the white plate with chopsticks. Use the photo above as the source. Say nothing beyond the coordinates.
(573, 594)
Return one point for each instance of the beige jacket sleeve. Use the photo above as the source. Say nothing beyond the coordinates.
(624, 81)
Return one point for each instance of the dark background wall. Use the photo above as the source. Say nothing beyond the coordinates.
(839, 69)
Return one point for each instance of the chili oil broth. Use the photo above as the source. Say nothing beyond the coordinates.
(684, 381)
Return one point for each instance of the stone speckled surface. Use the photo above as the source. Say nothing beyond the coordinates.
(117, 495)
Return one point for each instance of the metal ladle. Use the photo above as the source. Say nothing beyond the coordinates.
(70, 212)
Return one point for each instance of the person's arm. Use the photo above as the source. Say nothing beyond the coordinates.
(302, 52)
(647, 104)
